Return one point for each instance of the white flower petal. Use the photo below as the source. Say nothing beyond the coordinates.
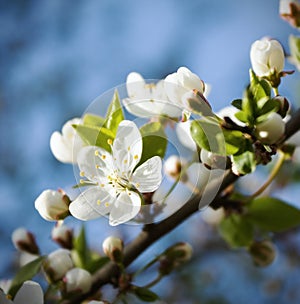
(147, 177)
(127, 147)
(95, 163)
(92, 203)
(67, 144)
(135, 85)
(30, 292)
(125, 208)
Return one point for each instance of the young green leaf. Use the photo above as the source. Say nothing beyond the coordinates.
(114, 114)
(27, 272)
(235, 142)
(145, 294)
(260, 88)
(272, 214)
(244, 163)
(81, 251)
(95, 136)
(154, 140)
(208, 135)
(93, 120)
(237, 103)
(237, 231)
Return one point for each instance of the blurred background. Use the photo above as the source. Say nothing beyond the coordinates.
(57, 56)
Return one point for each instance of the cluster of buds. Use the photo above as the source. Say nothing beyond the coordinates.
(174, 256)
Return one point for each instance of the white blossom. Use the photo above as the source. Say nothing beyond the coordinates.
(148, 99)
(66, 145)
(230, 112)
(78, 279)
(116, 183)
(52, 205)
(30, 292)
(267, 57)
(271, 130)
(58, 263)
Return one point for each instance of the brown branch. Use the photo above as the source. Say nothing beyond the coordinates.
(153, 232)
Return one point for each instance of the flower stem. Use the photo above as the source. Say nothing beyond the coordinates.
(154, 282)
(271, 177)
(276, 92)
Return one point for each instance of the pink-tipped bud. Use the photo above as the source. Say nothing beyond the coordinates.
(24, 240)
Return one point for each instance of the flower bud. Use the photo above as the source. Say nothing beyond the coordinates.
(173, 166)
(178, 83)
(24, 240)
(263, 253)
(78, 280)
(113, 248)
(52, 205)
(270, 130)
(57, 264)
(66, 145)
(283, 105)
(175, 256)
(212, 160)
(195, 101)
(267, 57)
(63, 235)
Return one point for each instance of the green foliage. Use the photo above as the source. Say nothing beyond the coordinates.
(272, 214)
(244, 163)
(83, 257)
(235, 142)
(294, 44)
(154, 140)
(27, 272)
(95, 136)
(208, 135)
(114, 114)
(237, 231)
(93, 120)
(145, 294)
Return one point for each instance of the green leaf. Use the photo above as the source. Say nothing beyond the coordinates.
(95, 136)
(93, 120)
(145, 294)
(114, 114)
(260, 88)
(237, 231)
(294, 44)
(208, 135)
(27, 272)
(266, 106)
(235, 141)
(272, 214)
(80, 252)
(242, 116)
(244, 163)
(154, 140)
(96, 262)
(237, 103)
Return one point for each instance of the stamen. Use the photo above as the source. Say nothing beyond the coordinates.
(98, 202)
(125, 161)
(96, 153)
(81, 173)
(135, 156)
(128, 148)
(103, 156)
(109, 141)
(102, 185)
(107, 204)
